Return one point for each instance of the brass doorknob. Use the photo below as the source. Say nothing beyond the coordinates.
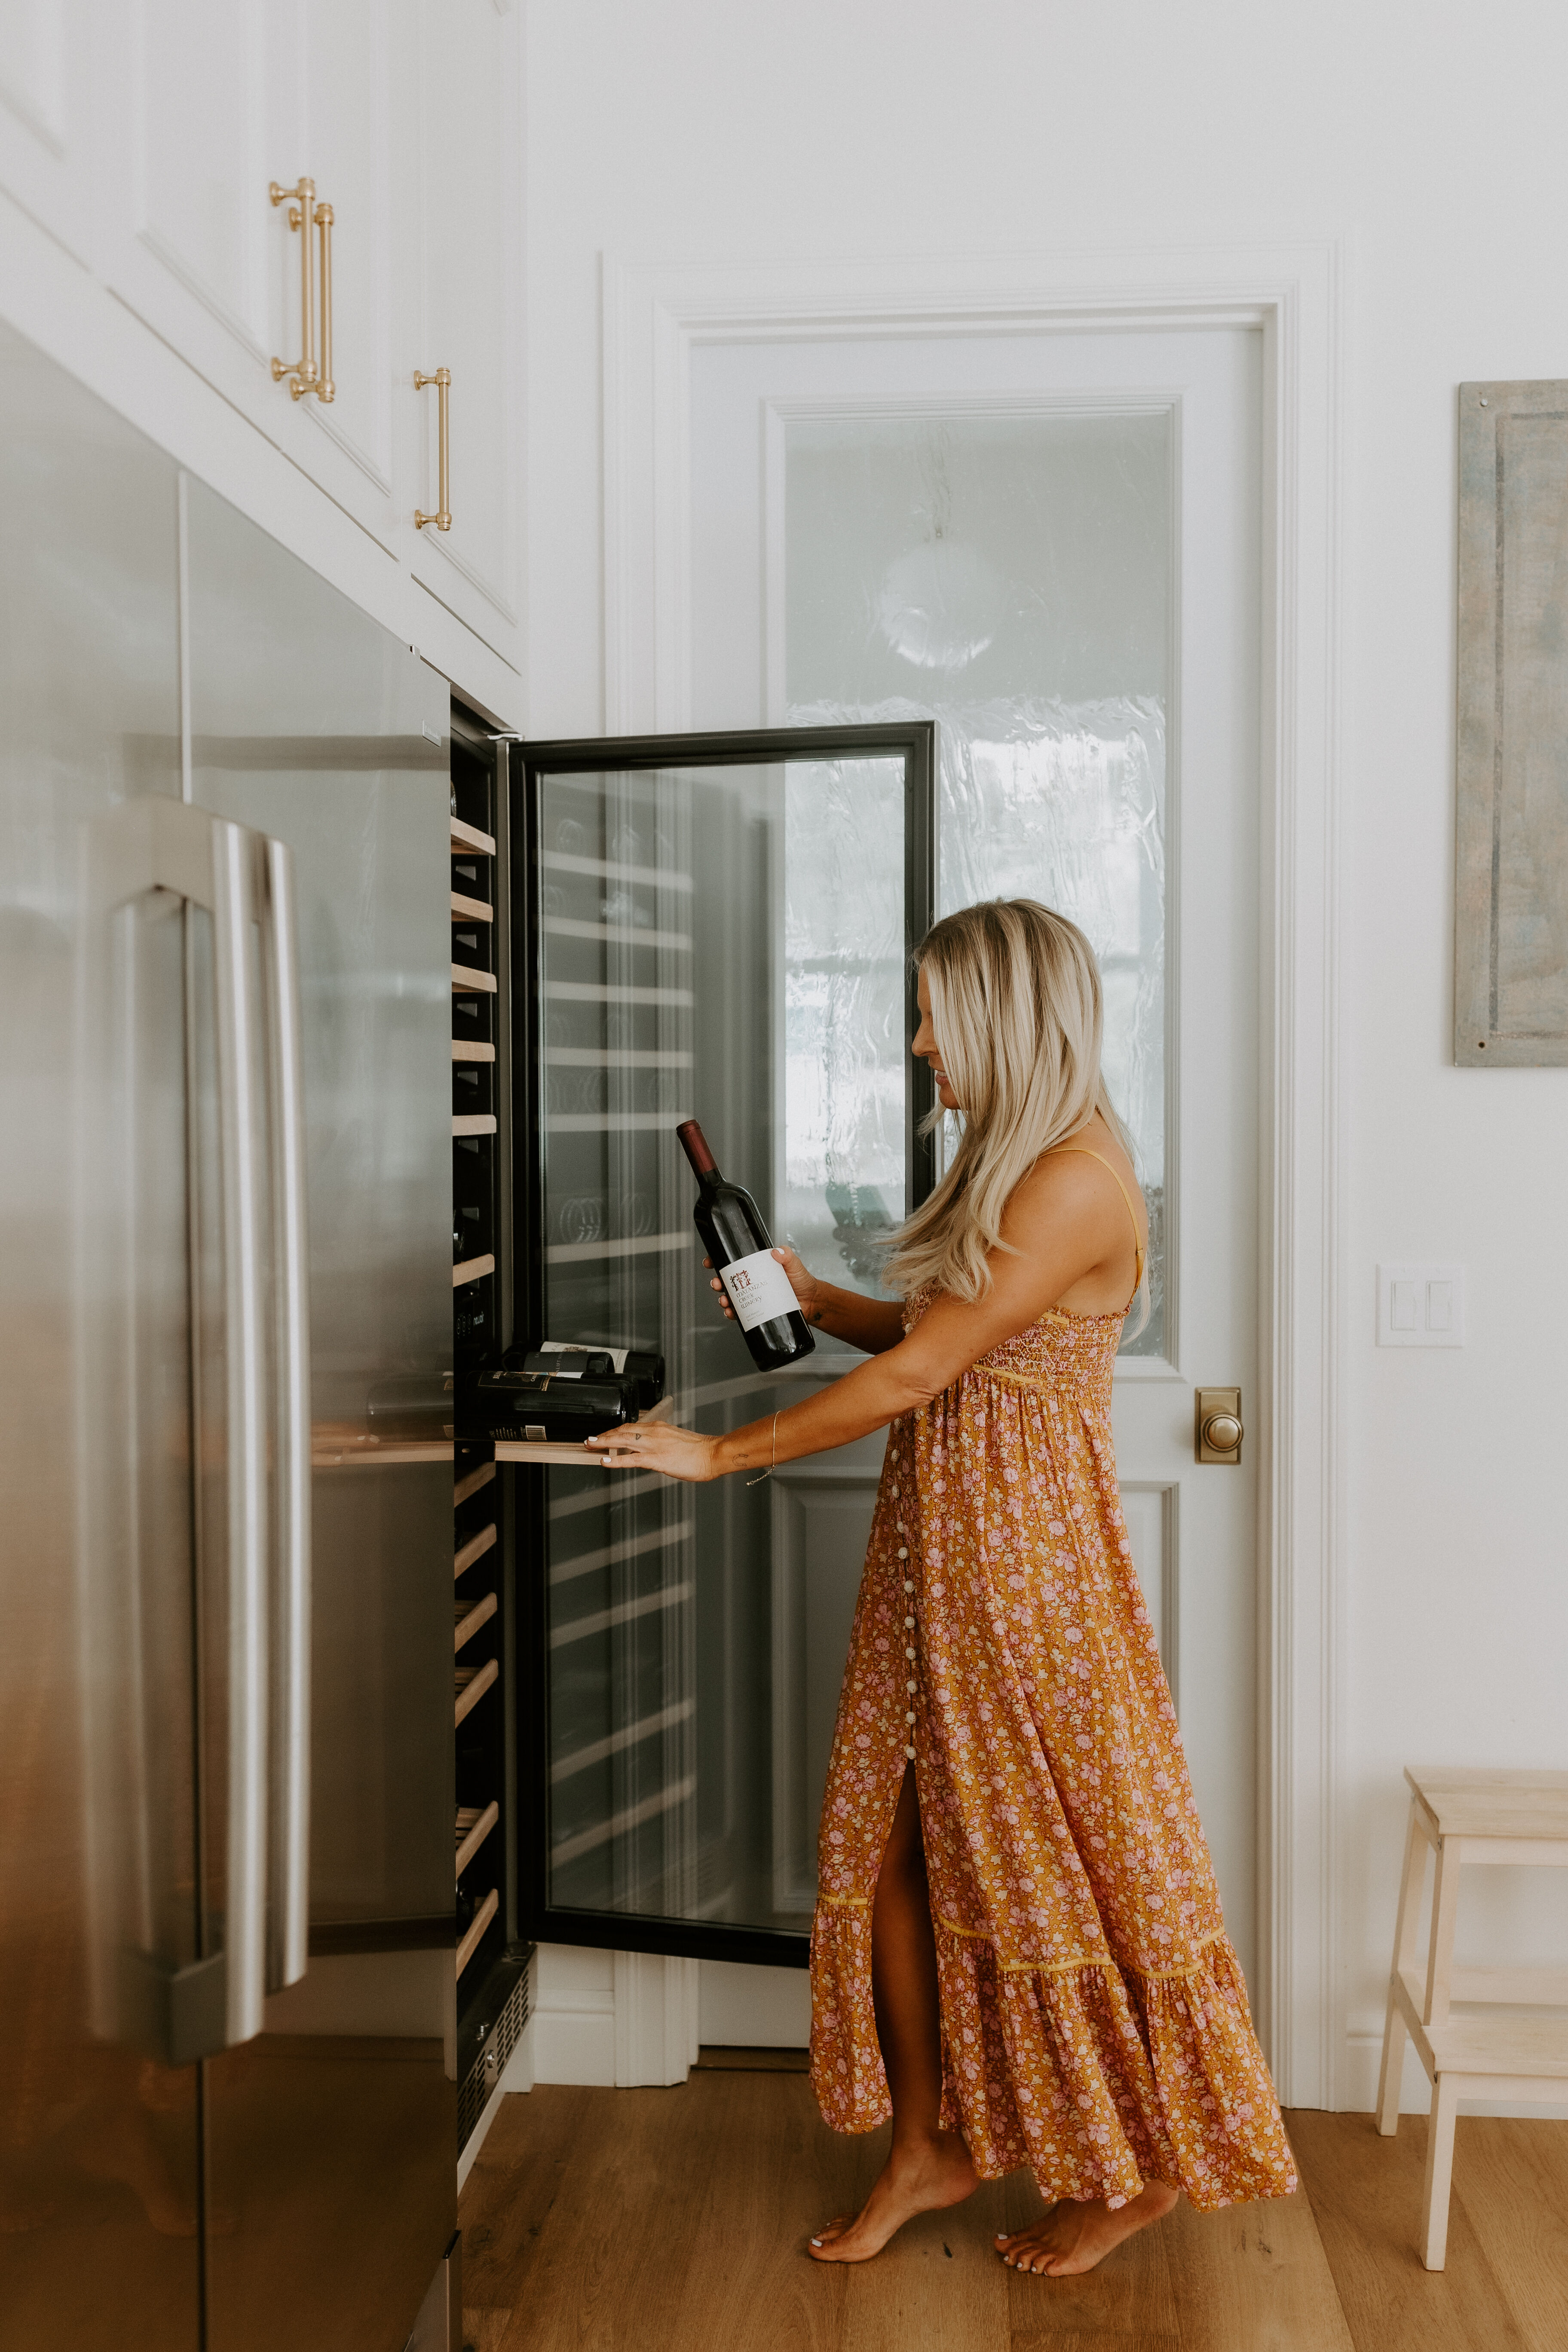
(1217, 1429)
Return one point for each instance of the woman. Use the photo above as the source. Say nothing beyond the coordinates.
(1018, 1946)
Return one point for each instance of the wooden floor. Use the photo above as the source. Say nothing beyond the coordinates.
(674, 2222)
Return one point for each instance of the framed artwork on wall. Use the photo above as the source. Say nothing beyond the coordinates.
(1510, 942)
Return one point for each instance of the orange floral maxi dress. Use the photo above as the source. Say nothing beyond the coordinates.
(1095, 2023)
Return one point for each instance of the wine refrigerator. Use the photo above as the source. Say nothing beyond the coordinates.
(718, 929)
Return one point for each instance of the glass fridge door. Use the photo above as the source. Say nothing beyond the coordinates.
(719, 928)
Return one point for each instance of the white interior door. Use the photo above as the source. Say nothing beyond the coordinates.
(1050, 542)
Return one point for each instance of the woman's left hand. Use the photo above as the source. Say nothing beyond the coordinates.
(657, 1445)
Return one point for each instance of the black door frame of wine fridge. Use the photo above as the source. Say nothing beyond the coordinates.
(916, 741)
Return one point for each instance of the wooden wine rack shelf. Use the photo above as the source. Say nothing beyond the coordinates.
(469, 1619)
(477, 1546)
(474, 1825)
(483, 1821)
(476, 1925)
(472, 1682)
(545, 1454)
(335, 1447)
(470, 1483)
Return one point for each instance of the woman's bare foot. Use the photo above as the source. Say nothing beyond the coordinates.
(915, 2180)
(1073, 2236)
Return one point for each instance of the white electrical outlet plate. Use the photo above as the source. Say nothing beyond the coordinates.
(1420, 1306)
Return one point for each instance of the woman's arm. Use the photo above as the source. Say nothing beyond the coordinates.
(1058, 1227)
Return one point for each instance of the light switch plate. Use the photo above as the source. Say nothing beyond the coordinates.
(1420, 1306)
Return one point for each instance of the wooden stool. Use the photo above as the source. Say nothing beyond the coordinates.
(1507, 2051)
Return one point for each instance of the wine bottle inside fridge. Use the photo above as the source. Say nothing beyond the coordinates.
(738, 1243)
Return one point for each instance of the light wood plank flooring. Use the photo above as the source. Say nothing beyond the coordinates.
(638, 2221)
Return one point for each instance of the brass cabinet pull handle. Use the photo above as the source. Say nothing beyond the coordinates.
(300, 373)
(442, 518)
(326, 390)
(304, 375)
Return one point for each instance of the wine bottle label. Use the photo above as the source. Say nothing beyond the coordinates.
(759, 1289)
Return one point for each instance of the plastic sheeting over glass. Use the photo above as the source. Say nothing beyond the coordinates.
(1010, 577)
(843, 1139)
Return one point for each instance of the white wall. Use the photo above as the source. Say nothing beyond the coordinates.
(1429, 137)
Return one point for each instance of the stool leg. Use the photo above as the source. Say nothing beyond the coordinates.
(1391, 2073)
(1440, 1957)
(1439, 2170)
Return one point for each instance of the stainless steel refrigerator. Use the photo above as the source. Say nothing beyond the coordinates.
(227, 2010)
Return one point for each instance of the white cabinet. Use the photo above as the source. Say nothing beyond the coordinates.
(469, 267)
(219, 103)
(47, 93)
(145, 138)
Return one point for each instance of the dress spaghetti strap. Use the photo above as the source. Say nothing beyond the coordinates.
(1082, 1152)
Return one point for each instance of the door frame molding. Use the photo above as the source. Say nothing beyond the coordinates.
(654, 317)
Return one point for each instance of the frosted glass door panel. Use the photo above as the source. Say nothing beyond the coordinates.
(1010, 576)
(727, 942)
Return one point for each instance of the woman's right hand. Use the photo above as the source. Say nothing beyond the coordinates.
(805, 1285)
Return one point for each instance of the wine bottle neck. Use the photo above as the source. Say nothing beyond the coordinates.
(694, 1143)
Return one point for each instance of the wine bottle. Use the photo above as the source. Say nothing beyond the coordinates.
(737, 1241)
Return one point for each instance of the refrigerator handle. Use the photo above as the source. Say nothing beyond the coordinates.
(241, 1104)
(153, 844)
(290, 1788)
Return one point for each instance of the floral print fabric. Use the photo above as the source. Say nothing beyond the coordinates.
(1095, 2023)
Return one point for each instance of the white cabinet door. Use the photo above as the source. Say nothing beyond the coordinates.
(469, 298)
(212, 105)
(46, 94)
(354, 98)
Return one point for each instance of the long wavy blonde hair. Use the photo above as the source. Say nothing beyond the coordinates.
(1016, 1006)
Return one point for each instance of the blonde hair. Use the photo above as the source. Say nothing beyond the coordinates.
(1016, 1006)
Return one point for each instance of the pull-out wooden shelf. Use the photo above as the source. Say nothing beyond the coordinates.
(470, 1617)
(468, 838)
(468, 1269)
(339, 1445)
(469, 1483)
(480, 1921)
(472, 1682)
(476, 1544)
(543, 1453)
(474, 1825)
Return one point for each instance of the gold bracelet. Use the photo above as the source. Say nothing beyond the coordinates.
(775, 1462)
